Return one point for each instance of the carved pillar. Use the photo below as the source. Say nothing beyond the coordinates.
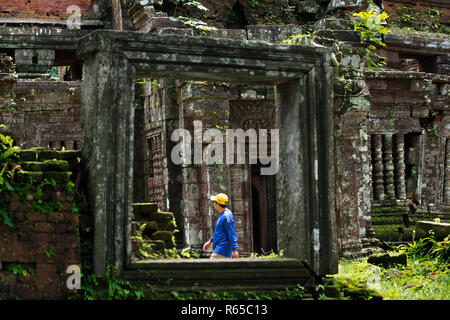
(388, 166)
(447, 173)
(378, 176)
(400, 186)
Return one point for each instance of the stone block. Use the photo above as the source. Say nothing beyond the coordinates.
(33, 166)
(27, 155)
(386, 260)
(49, 155)
(236, 34)
(334, 24)
(162, 217)
(59, 177)
(272, 33)
(308, 6)
(421, 85)
(177, 31)
(339, 4)
(158, 245)
(56, 165)
(144, 209)
(157, 23)
(439, 229)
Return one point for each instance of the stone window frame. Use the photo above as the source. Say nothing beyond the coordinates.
(303, 77)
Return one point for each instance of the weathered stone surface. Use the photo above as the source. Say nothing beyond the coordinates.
(145, 208)
(337, 4)
(440, 230)
(106, 54)
(163, 235)
(272, 33)
(386, 260)
(308, 6)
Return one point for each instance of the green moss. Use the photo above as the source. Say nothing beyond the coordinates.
(387, 220)
(70, 154)
(145, 207)
(389, 209)
(49, 154)
(23, 175)
(388, 232)
(56, 165)
(33, 166)
(27, 155)
(59, 177)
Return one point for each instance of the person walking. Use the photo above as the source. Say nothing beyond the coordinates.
(224, 240)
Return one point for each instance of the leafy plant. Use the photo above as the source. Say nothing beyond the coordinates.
(19, 270)
(370, 28)
(421, 19)
(108, 287)
(8, 165)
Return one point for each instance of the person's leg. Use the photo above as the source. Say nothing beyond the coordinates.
(217, 256)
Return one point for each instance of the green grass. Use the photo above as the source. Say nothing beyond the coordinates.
(425, 277)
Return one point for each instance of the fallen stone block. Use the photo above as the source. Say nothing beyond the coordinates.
(386, 260)
(424, 229)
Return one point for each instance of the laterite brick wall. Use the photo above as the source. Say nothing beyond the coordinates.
(40, 242)
(47, 8)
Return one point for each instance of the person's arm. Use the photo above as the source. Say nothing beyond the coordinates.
(207, 244)
(231, 233)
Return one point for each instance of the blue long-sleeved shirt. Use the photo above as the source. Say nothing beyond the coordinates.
(224, 238)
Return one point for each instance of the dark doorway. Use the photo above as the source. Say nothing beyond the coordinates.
(263, 211)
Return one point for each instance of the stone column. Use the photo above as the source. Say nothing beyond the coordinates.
(400, 185)
(447, 173)
(107, 126)
(388, 165)
(378, 176)
(69, 145)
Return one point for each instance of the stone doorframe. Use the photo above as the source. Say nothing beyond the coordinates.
(303, 77)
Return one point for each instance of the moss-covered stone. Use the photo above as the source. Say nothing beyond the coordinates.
(386, 260)
(49, 155)
(388, 232)
(168, 226)
(158, 245)
(439, 230)
(33, 166)
(166, 236)
(70, 154)
(380, 220)
(59, 177)
(24, 175)
(56, 165)
(143, 211)
(27, 155)
(161, 217)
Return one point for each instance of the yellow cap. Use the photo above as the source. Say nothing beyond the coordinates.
(220, 198)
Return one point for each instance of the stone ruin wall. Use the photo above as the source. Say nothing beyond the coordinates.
(43, 113)
(44, 237)
(56, 124)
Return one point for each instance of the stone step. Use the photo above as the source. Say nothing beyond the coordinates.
(145, 207)
(46, 165)
(242, 273)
